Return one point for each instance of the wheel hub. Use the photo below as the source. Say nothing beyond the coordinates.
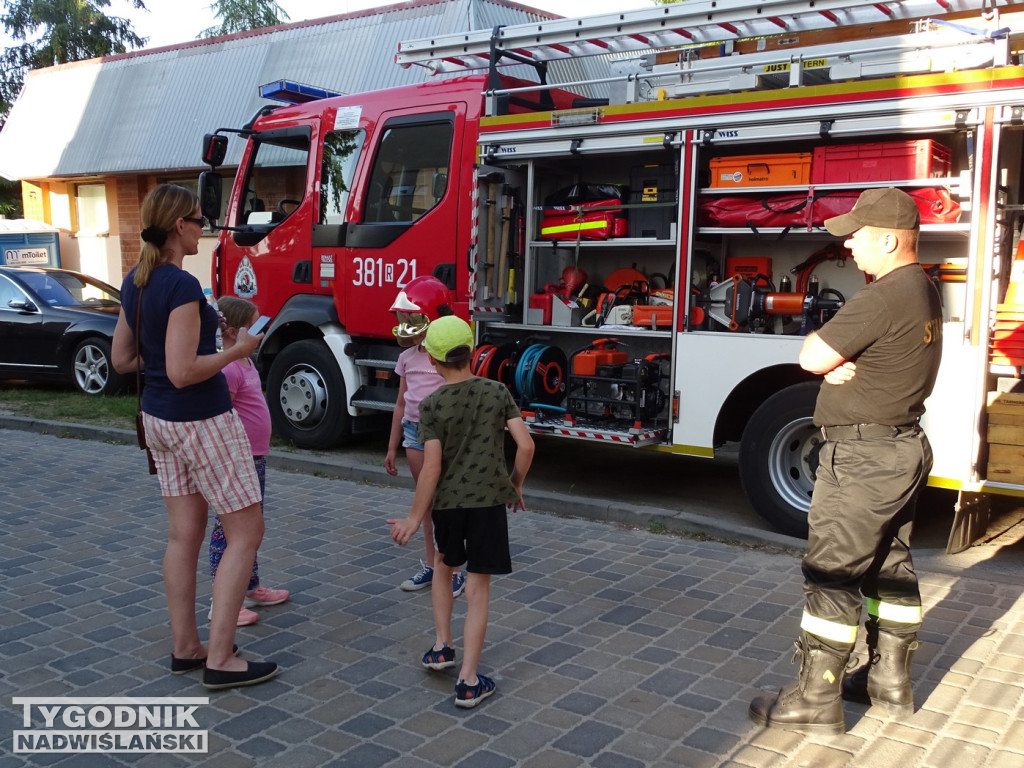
(90, 370)
(303, 397)
(794, 462)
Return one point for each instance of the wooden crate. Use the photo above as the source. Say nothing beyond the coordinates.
(1005, 473)
(1014, 419)
(1010, 455)
(1005, 402)
(1005, 437)
(1006, 434)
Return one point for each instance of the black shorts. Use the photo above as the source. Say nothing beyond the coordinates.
(476, 536)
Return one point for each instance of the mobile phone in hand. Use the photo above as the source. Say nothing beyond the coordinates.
(259, 326)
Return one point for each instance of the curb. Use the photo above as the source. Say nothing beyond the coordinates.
(546, 502)
(68, 429)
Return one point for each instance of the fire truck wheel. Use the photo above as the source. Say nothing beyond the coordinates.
(307, 398)
(779, 457)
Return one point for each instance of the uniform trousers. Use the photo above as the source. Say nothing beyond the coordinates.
(861, 518)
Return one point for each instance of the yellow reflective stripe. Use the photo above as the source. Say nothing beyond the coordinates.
(573, 227)
(829, 630)
(901, 614)
(872, 604)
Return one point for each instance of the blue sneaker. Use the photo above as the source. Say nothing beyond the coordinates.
(458, 583)
(441, 659)
(468, 696)
(420, 580)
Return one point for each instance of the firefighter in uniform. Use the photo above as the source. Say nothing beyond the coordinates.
(880, 356)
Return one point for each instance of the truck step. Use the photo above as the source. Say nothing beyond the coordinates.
(369, 362)
(375, 398)
(637, 435)
(376, 405)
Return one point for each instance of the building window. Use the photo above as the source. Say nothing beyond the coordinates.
(91, 209)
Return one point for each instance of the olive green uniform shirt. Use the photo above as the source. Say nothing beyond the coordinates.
(892, 330)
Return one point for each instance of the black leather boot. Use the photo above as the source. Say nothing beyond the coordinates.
(884, 681)
(812, 704)
(855, 682)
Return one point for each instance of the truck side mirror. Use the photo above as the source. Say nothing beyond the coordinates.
(210, 194)
(215, 148)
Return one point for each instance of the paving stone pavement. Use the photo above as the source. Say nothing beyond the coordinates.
(611, 647)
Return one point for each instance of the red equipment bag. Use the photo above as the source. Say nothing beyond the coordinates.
(747, 211)
(936, 205)
(569, 222)
(566, 215)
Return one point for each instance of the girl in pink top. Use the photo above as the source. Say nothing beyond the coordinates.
(422, 299)
(247, 399)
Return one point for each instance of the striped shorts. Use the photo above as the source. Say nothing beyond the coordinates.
(211, 457)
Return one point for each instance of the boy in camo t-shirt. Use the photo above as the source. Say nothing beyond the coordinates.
(465, 477)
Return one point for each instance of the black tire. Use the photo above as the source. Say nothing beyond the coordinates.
(307, 398)
(91, 370)
(779, 458)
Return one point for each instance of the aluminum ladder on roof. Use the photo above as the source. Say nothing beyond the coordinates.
(690, 23)
(930, 48)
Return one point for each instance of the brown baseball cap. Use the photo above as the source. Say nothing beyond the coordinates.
(888, 208)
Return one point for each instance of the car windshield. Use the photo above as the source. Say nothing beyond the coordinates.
(63, 289)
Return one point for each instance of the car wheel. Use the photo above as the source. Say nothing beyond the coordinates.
(93, 372)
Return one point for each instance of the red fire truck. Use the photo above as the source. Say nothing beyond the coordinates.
(642, 252)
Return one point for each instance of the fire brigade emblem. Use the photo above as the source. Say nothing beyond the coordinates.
(245, 280)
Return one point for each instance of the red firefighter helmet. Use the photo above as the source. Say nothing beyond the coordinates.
(421, 300)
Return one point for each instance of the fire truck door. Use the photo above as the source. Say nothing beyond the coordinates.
(268, 259)
(406, 223)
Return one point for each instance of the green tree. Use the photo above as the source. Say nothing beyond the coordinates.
(242, 15)
(49, 32)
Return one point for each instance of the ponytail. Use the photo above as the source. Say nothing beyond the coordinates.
(149, 257)
(161, 209)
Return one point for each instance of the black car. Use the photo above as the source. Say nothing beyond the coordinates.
(57, 325)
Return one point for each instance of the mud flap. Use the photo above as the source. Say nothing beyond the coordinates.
(970, 521)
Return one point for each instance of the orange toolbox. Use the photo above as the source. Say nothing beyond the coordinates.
(601, 352)
(761, 170)
(652, 315)
(881, 161)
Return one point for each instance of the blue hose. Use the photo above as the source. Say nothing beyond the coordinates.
(524, 370)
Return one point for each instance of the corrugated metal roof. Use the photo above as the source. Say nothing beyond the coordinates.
(147, 111)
